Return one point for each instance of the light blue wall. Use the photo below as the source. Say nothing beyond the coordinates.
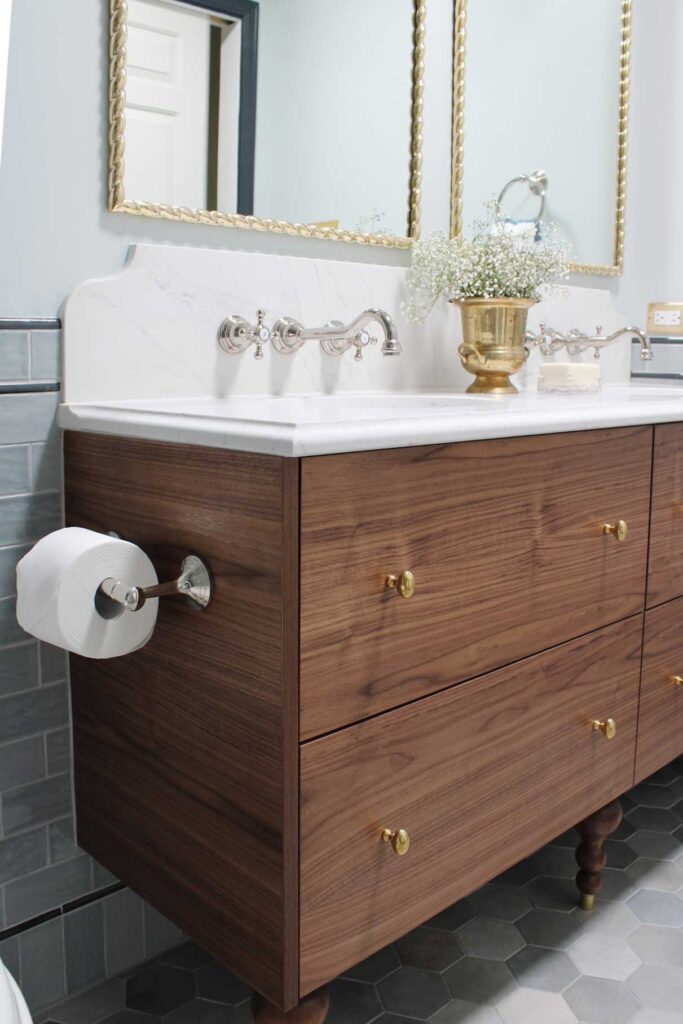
(55, 230)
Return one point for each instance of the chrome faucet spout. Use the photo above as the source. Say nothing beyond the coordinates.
(337, 338)
(549, 341)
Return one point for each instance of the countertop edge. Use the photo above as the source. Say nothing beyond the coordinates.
(311, 439)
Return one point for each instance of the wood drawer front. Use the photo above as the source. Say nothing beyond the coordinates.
(660, 720)
(665, 576)
(505, 540)
(480, 775)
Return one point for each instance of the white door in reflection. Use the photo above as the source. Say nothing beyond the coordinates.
(167, 103)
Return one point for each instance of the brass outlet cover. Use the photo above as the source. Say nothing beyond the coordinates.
(665, 318)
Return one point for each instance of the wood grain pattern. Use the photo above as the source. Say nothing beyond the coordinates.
(660, 721)
(505, 541)
(665, 572)
(480, 775)
(186, 752)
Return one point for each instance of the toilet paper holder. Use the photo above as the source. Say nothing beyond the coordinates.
(194, 582)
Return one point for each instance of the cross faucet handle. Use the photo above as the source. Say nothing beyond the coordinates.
(236, 334)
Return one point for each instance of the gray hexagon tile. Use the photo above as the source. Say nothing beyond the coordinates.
(528, 1006)
(413, 993)
(654, 907)
(480, 981)
(502, 902)
(429, 948)
(517, 951)
(599, 956)
(659, 988)
(496, 940)
(550, 928)
(656, 845)
(656, 944)
(600, 1001)
(546, 969)
(647, 795)
(655, 874)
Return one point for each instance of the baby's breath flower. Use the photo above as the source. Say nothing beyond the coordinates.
(492, 264)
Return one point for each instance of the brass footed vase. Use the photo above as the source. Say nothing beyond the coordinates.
(494, 332)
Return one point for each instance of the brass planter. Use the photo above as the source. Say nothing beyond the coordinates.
(494, 331)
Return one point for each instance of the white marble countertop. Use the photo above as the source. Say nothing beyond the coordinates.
(304, 425)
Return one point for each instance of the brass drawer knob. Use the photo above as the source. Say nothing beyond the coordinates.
(608, 727)
(400, 840)
(677, 680)
(403, 584)
(618, 529)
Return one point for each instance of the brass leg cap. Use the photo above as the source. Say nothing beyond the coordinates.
(587, 902)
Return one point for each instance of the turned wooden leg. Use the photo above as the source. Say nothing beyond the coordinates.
(312, 1009)
(590, 854)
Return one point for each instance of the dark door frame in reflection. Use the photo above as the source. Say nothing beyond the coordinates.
(247, 12)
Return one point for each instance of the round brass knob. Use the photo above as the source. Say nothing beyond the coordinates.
(400, 840)
(677, 680)
(618, 529)
(608, 727)
(403, 584)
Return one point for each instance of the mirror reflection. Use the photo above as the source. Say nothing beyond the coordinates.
(291, 110)
(544, 113)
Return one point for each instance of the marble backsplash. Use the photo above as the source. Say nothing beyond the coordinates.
(150, 331)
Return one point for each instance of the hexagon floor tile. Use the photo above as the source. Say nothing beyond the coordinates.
(518, 951)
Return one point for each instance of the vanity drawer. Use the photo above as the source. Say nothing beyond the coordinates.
(660, 719)
(505, 540)
(665, 576)
(480, 776)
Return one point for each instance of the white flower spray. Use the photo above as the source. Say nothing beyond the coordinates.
(492, 264)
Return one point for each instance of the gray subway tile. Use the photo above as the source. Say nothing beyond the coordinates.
(46, 355)
(123, 931)
(36, 803)
(18, 669)
(62, 839)
(15, 469)
(9, 954)
(28, 517)
(102, 876)
(23, 854)
(9, 556)
(32, 711)
(42, 964)
(100, 1004)
(10, 630)
(58, 746)
(160, 933)
(21, 762)
(84, 947)
(47, 889)
(53, 664)
(27, 418)
(14, 349)
(46, 466)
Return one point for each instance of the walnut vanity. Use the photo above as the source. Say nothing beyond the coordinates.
(420, 664)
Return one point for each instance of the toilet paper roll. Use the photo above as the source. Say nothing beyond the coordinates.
(56, 586)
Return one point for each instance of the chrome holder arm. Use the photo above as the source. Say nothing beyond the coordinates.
(194, 583)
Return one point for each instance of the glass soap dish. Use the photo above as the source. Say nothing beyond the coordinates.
(570, 389)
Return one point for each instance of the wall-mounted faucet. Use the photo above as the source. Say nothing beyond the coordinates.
(549, 341)
(288, 335)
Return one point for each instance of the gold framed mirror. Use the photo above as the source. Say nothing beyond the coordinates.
(266, 139)
(540, 111)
